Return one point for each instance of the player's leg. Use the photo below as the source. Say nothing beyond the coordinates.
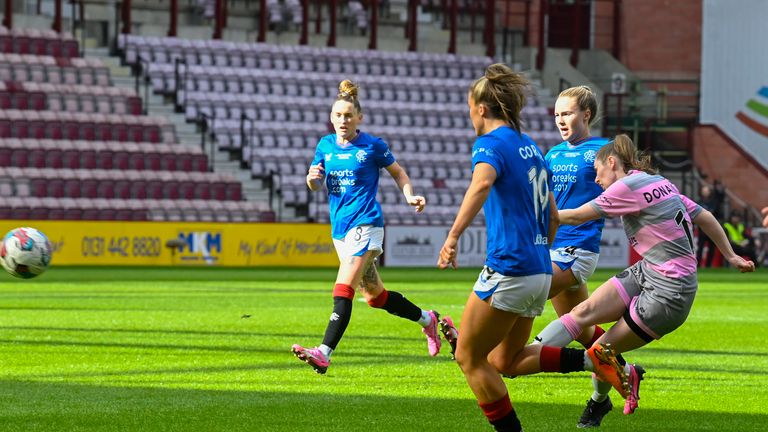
(564, 302)
(571, 268)
(396, 304)
(562, 279)
(647, 318)
(349, 275)
(355, 253)
(622, 338)
(606, 304)
(483, 328)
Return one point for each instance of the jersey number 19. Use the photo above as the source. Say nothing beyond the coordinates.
(538, 180)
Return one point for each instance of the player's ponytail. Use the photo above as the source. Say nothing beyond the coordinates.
(503, 92)
(623, 149)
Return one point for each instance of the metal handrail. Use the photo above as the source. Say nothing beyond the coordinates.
(243, 119)
(202, 120)
(142, 70)
(177, 85)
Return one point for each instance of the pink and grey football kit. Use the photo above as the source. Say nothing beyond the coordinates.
(658, 290)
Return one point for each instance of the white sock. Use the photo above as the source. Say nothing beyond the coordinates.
(554, 334)
(602, 389)
(588, 366)
(326, 350)
(425, 319)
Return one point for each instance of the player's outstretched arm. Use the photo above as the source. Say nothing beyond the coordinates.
(578, 216)
(711, 227)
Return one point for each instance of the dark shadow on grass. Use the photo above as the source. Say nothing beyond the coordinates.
(245, 333)
(371, 357)
(34, 406)
(696, 352)
(96, 294)
(75, 309)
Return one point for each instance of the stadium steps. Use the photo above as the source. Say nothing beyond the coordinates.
(187, 133)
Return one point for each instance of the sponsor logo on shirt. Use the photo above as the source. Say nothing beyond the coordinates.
(571, 154)
(343, 156)
(563, 175)
(339, 180)
(328, 157)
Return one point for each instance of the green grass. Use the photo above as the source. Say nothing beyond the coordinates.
(145, 349)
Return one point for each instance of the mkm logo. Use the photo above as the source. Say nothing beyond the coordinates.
(200, 246)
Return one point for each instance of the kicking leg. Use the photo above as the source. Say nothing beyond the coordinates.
(623, 338)
(604, 305)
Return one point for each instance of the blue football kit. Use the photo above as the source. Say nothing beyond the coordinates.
(573, 179)
(352, 179)
(517, 207)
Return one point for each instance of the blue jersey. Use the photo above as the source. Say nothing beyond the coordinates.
(352, 179)
(517, 208)
(573, 176)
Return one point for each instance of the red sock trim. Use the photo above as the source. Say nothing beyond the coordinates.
(598, 332)
(343, 290)
(380, 300)
(498, 409)
(549, 359)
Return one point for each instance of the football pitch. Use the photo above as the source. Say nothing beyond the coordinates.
(207, 349)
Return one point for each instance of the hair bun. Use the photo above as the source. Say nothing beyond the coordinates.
(348, 89)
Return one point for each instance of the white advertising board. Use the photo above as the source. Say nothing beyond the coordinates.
(418, 246)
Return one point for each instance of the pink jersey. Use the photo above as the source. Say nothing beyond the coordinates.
(657, 221)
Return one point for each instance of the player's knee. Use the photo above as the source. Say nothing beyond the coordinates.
(581, 313)
(499, 361)
(462, 359)
(468, 360)
(380, 300)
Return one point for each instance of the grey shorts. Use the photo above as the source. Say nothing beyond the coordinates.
(523, 295)
(656, 305)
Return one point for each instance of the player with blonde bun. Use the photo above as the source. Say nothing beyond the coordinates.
(348, 163)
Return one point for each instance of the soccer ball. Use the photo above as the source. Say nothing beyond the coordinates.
(25, 252)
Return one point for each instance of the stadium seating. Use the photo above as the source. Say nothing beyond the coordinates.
(248, 91)
(45, 153)
(74, 147)
(51, 208)
(69, 97)
(84, 126)
(53, 70)
(38, 42)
